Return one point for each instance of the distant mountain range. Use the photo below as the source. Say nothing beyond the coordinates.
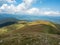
(9, 17)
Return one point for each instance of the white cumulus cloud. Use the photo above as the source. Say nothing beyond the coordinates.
(7, 1)
(25, 8)
(33, 11)
(36, 11)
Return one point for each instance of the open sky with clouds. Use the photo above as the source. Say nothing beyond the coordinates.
(30, 7)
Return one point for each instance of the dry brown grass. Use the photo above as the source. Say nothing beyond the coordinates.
(32, 33)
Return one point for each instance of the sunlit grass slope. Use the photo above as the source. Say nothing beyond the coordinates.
(30, 33)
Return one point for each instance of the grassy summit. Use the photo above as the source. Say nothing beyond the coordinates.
(30, 33)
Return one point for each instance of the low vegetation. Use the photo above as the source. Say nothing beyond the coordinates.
(30, 33)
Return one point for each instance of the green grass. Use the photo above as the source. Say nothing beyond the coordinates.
(31, 38)
(25, 34)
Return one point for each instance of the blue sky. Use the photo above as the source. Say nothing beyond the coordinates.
(53, 4)
(31, 7)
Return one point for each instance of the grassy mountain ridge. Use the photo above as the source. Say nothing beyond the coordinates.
(30, 33)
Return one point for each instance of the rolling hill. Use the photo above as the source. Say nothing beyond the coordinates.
(30, 33)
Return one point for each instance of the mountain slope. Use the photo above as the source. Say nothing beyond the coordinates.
(46, 26)
(31, 33)
(43, 26)
(42, 22)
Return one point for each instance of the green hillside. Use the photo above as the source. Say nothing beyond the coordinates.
(30, 33)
